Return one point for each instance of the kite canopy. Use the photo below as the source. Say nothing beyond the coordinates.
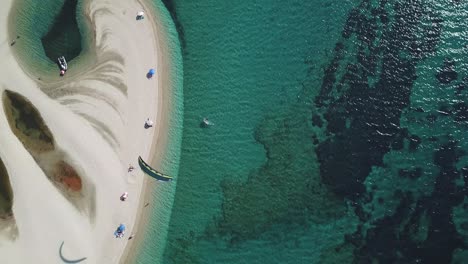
(151, 71)
(152, 172)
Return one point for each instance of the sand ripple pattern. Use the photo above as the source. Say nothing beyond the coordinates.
(99, 93)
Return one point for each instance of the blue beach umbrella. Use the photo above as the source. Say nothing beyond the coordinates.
(121, 228)
(151, 71)
(120, 231)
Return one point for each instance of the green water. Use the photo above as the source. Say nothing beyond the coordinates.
(46, 30)
(338, 130)
(63, 37)
(245, 66)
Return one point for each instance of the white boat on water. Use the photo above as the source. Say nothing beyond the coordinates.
(63, 64)
(206, 122)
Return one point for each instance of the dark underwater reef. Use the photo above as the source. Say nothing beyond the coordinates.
(363, 118)
(171, 7)
(63, 37)
(350, 150)
(362, 98)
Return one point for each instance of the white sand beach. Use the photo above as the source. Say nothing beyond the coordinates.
(97, 119)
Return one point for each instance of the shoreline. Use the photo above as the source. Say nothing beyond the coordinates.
(104, 119)
(160, 141)
(43, 70)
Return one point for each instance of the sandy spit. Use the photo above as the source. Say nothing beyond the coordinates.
(96, 114)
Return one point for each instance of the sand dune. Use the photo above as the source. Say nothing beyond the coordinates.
(96, 116)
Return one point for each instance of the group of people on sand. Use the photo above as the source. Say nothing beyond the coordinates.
(120, 232)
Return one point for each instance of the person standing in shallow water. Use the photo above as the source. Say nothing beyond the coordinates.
(13, 42)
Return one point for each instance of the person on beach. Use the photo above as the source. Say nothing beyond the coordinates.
(140, 15)
(124, 196)
(148, 123)
(14, 41)
(130, 168)
(131, 236)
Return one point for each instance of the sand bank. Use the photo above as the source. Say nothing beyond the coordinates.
(159, 144)
(96, 115)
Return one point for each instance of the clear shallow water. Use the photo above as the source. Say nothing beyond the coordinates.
(245, 66)
(338, 137)
(44, 30)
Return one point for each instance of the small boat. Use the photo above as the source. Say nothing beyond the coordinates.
(206, 123)
(63, 65)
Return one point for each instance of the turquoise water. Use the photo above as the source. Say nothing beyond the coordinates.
(338, 132)
(46, 29)
(245, 68)
(63, 37)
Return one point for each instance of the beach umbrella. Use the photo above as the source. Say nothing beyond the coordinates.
(141, 13)
(120, 231)
(121, 228)
(151, 71)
